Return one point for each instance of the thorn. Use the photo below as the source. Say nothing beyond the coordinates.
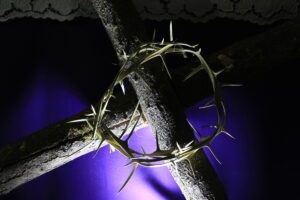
(90, 125)
(130, 120)
(162, 42)
(122, 87)
(199, 50)
(89, 115)
(189, 144)
(206, 106)
(179, 148)
(98, 148)
(194, 71)
(228, 134)
(214, 155)
(93, 109)
(124, 55)
(133, 128)
(154, 34)
(111, 149)
(126, 165)
(130, 175)
(200, 136)
(78, 120)
(166, 67)
(171, 31)
(219, 72)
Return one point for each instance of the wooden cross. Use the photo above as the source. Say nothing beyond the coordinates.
(63, 142)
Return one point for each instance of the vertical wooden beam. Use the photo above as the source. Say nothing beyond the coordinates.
(159, 102)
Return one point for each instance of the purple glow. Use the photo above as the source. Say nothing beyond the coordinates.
(47, 101)
(101, 177)
(239, 170)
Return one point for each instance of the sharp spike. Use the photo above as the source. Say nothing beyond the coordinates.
(111, 149)
(179, 148)
(124, 55)
(154, 34)
(206, 106)
(189, 144)
(130, 175)
(162, 42)
(211, 102)
(89, 115)
(228, 134)
(200, 136)
(99, 146)
(133, 128)
(130, 120)
(122, 87)
(93, 109)
(214, 155)
(166, 67)
(126, 165)
(78, 120)
(219, 72)
(199, 50)
(171, 31)
(194, 71)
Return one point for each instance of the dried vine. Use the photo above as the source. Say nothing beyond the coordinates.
(158, 158)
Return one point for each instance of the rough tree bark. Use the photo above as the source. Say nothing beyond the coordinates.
(252, 57)
(58, 144)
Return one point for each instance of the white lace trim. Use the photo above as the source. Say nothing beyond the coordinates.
(255, 11)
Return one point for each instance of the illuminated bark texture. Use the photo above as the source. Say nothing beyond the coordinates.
(56, 145)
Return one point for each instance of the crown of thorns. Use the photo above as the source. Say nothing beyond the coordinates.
(145, 53)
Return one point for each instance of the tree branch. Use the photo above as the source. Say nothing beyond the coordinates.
(57, 144)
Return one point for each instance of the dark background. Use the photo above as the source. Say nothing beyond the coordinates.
(78, 55)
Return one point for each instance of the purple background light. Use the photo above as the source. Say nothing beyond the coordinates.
(47, 100)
